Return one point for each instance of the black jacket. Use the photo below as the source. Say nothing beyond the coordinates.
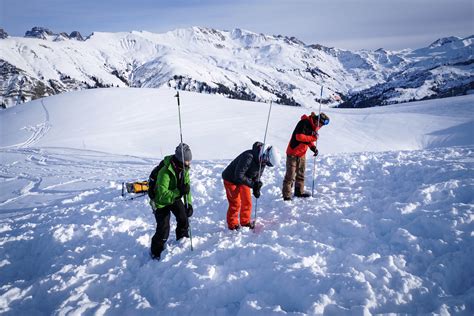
(244, 169)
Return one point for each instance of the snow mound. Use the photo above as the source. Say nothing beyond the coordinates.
(389, 230)
(386, 233)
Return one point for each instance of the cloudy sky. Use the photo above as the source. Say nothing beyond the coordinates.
(349, 24)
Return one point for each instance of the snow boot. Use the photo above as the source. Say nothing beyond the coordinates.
(154, 257)
(301, 193)
(237, 227)
(287, 198)
(250, 225)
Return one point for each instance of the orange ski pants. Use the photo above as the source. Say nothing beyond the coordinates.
(240, 201)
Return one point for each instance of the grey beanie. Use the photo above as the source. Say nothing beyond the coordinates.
(178, 153)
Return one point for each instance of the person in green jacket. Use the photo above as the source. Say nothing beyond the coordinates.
(172, 185)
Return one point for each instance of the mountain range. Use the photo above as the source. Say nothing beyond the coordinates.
(237, 64)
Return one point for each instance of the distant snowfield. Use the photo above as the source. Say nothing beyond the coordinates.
(144, 122)
(390, 229)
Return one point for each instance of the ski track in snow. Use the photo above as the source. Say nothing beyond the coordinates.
(388, 232)
(37, 131)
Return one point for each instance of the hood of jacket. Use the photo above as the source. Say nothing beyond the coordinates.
(308, 118)
(256, 151)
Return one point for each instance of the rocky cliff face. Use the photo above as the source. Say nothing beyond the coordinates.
(46, 34)
(237, 64)
(3, 34)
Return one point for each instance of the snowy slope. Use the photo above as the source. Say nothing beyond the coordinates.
(144, 122)
(238, 64)
(387, 231)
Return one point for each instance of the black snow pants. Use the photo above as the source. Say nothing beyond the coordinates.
(162, 217)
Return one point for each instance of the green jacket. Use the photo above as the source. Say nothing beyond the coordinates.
(166, 189)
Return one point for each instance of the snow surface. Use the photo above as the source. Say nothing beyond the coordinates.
(144, 122)
(390, 229)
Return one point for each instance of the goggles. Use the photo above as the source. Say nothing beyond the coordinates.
(324, 121)
(266, 162)
(266, 157)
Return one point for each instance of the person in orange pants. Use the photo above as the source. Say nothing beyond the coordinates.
(241, 175)
(240, 201)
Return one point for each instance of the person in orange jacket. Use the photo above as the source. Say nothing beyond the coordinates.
(304, 136)
(241, 175)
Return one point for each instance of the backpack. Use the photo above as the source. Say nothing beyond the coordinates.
(152, 180)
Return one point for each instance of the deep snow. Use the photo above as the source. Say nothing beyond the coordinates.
(387, 232)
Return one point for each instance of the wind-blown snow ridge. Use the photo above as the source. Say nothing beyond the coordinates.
(238, 64)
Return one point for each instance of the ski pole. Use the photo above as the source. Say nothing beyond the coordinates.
(184, 171)
(260, 162)
(316, 145)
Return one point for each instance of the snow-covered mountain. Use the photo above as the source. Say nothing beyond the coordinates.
(389, 230)
(238, 64)
(443, 69)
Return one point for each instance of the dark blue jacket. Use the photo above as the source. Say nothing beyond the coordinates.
(244, 169)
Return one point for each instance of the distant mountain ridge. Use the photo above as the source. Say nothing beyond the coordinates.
(237, 64)
(45, 34)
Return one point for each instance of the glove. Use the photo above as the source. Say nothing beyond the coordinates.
(256, 193)
(315, 134)
(257, 185)
(184, 189)
(256, 188)
(314, 150)
(189, 210)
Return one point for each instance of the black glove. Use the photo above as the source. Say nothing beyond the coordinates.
(256, 188)
(184, 189)
(314, 150)
(257, 185)
(189, 210)
(256, 193)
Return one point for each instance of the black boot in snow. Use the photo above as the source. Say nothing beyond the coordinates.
(250, 225)
(301, 193)
(155, 257)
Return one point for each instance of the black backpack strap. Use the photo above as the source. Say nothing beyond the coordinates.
(152, 180)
